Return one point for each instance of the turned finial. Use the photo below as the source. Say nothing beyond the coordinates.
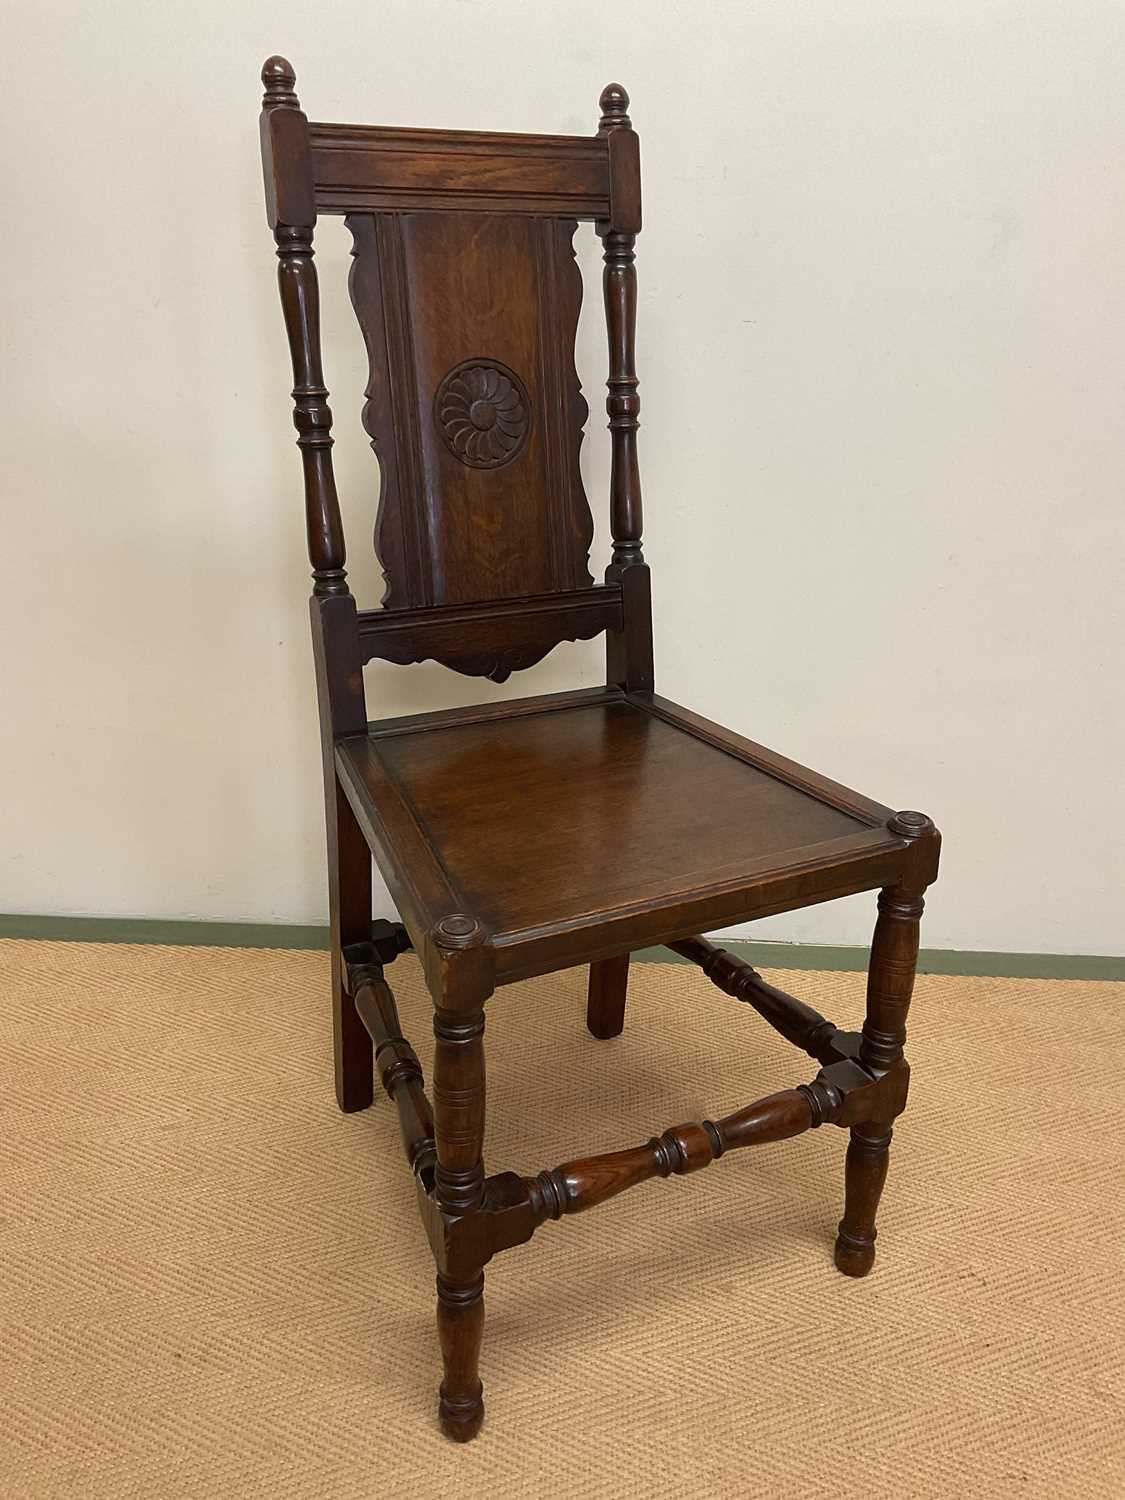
(910, 825)
(614, 105)
(279, 80)
(458, 931)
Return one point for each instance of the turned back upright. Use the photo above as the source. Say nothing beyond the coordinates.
(467, 292)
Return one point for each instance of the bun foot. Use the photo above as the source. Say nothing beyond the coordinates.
(460, 1418)
(854, 1257)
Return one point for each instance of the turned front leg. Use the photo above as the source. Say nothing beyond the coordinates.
(890, 985)
(459, 1188)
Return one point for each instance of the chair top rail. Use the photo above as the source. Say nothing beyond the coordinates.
(358, 168)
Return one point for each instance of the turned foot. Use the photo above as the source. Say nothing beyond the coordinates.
(460, 1420)
(854, 1257)
(460, 1326)
(865, 1173)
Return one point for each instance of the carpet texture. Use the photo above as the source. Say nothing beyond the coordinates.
(215, 1285)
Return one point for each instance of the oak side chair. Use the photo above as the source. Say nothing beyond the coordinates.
(523, 837)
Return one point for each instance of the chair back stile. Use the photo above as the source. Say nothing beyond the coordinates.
(467, 293)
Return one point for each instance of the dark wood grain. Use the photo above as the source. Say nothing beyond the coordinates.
(459, 1189)
(616, 129)
(605, 1003)
(629, 654)
(570, 829)
(623, 404)
(381, 168)
(890, 984)
(493, 713)
(507, 635)
(629, 657)
(865, 1172)
(291, 214)
(583, 1184)
(457, 525)
(579, 826)
(339, 683)
(399, 1069)
(289, 205)
(791, 1018)
(842, 1093)
(460, 1319)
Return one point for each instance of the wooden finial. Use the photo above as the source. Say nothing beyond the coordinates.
(458, 931)
(614, 105)
(279, 80)
(910, 825)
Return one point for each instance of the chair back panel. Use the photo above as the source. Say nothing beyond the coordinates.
(468, 295)
(473, 403)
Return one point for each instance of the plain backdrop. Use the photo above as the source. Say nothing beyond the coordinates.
(882, 359)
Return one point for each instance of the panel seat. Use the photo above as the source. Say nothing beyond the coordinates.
(584, 824)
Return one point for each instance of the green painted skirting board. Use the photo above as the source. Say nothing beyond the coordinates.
(768, 955)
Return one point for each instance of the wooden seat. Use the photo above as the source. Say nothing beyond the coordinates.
(595, 822)
(528, 836)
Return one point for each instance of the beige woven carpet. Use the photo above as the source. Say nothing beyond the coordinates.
(216, 1285)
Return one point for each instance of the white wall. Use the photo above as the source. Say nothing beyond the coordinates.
(882, 350)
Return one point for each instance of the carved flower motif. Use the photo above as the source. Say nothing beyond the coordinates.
(481, 411)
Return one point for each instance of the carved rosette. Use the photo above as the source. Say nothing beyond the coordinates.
(483, 414)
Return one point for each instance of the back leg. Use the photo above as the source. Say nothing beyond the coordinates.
(605, 1006)
(349, 899)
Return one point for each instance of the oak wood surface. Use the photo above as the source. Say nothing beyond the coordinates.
(605, 1002)
(400, 1072)
(507, 634)
(547, 819)
(520, 837)
(374, 167)
(474, 407)
(890, 985)
(797, 1022)
(586, 815)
